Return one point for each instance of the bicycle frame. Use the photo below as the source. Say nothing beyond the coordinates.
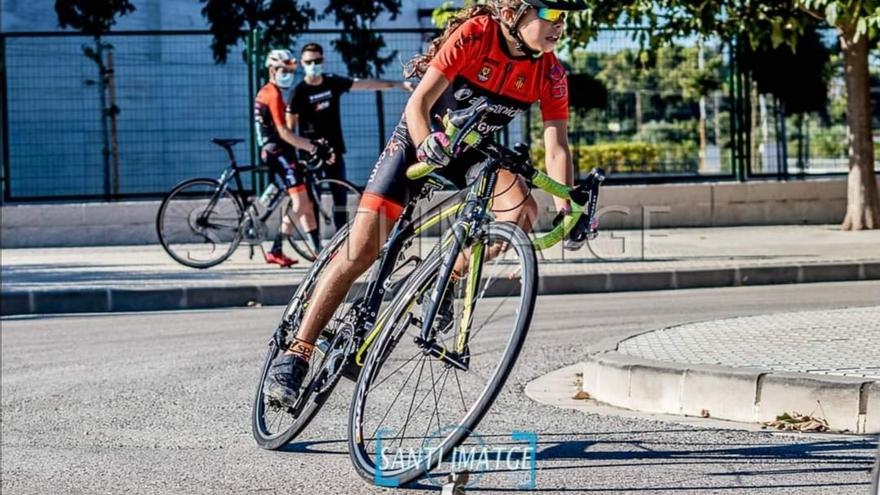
(472, 214)
(232, 173)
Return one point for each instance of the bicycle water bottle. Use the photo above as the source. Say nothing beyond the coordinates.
(268, 194)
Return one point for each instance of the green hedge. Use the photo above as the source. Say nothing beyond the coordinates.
(630, 157)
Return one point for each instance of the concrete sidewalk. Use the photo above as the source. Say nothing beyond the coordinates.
(133, 278)
(823, 364)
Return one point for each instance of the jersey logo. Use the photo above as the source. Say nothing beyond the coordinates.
(485, 73)
(520, 82)
(463, 94)
(322, 106)
(324, 95)
(558, 91)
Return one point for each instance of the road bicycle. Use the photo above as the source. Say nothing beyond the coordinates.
(202, 221)
(451, 333)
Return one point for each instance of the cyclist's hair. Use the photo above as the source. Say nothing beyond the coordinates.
(418, 65)
(312, 47)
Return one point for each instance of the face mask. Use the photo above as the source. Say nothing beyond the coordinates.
(313, 70)
(284, 79)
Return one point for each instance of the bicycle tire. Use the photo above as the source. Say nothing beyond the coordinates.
(323, 215)
(310, 404)
(390, 337)
(192, 195)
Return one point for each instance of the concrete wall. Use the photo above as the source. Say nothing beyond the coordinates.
(621, 207)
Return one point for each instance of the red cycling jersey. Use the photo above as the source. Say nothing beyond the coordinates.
(269, 114)
(476, 61)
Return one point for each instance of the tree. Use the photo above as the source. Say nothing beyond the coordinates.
(359, 44)
(231, 21)
(94, 19)
(90, 17)
(858, 26)
(752, 23)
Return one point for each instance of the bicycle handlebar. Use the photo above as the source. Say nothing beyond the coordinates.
(574, 225)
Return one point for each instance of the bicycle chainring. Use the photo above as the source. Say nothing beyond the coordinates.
(338, 353)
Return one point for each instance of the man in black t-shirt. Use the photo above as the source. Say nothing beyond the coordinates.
(314, 107)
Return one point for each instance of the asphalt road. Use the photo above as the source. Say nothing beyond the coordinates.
(160, 403)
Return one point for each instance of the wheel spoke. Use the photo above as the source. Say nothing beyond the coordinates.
(430, 406)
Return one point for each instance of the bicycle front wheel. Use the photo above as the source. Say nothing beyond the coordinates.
(407, 400)
(335, 205)
(198, 223)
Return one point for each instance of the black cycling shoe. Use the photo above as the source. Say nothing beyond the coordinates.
(284, 379)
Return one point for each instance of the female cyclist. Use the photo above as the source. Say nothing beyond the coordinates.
(503, 51)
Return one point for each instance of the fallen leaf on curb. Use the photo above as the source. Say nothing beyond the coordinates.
(581, 395)
(254, 304)
(798, 422)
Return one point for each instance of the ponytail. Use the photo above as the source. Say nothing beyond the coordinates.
(419, 64)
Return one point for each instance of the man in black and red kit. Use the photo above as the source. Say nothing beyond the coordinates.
(314, 107)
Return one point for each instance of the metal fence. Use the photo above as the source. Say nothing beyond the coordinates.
(168, 98)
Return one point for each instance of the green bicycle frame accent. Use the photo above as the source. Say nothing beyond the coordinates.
(474, 272)
(546, 241)
(380, 323)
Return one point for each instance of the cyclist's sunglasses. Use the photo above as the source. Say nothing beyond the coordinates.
(313, 61)
(551, 15)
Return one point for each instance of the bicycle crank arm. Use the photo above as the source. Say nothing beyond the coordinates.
(453, 359)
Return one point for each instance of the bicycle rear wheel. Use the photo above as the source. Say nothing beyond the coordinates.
(326, 213)
(406, 399)
(198, 225)
(273, 426)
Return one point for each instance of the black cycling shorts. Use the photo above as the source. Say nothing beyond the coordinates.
(281, 159)
(388, 188)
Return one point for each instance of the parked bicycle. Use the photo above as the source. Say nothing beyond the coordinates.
(202, 221)
(406, 356)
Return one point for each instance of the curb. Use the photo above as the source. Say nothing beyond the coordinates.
(737, 394)
(118, 300)
(74, 300)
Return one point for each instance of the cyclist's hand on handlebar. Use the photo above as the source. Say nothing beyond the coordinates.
(321, 150)
(434, 150)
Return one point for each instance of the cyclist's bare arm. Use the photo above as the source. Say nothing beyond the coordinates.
(378, 84)
(291, 119)
(419, 105)
(558, 155)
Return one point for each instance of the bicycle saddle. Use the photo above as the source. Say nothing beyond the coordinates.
(226, 143)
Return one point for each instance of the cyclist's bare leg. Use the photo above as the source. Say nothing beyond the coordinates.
(511, 203)
(302, 208)
(368, 234)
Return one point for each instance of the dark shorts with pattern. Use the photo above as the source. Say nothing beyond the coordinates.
(281, 159)
(388, 189)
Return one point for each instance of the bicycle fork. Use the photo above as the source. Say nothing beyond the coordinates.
(463, 232)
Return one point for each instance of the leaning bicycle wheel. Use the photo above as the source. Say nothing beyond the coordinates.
(407, 400)
(326, 213)
(198, 224)
(274, 426)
